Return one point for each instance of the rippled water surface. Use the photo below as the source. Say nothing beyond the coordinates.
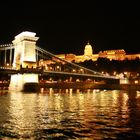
(88, 115)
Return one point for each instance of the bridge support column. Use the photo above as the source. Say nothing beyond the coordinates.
(5, 57)
(24, 82)
(24, 56)
(10, 63)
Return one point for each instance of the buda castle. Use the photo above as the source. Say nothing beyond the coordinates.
(119, 54)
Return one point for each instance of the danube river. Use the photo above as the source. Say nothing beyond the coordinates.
(80, 115)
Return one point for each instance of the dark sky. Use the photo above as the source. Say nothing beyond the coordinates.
(66, 27)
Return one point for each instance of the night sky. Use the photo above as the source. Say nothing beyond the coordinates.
(66, 27)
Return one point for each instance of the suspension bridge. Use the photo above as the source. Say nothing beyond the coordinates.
(26, 62)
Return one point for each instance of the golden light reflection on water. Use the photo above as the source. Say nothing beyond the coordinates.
(22, 114)
(94, 114)
(124, 102)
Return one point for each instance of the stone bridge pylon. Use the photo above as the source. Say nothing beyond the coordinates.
(25, 46)
(24, 56)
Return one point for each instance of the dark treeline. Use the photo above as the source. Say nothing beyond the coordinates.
(104, 64)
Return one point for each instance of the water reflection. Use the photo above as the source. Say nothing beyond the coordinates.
(58, 114)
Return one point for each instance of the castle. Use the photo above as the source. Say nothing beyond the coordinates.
(119, 54)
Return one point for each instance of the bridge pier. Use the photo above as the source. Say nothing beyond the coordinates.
(24, 82)
(25, 56)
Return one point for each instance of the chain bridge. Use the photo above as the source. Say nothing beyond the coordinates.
(25, 62)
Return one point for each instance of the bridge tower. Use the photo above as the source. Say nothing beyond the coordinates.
(24, 56)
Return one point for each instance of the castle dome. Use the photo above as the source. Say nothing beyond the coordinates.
(88, 50)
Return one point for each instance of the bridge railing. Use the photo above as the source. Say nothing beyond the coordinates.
(8, 68)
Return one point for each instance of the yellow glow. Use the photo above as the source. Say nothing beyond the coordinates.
(125, 73)
(46, 68)
(73, 70)
(21, 111)
(42, 90)
(71, 90)
(24, 49)
(124, 106)
(30, 78)
(102, 72)
(137, 94)
(136, 81)
(18, 80)
(114, 73)
(67, 90)
(77, 80)
(88, 50)
(7, 64)
(51, 90)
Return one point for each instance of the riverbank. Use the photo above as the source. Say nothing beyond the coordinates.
(82, 86)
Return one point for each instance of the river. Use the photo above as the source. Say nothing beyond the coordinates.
(80, 115)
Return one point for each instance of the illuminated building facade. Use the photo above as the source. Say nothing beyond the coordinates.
(113, 54)
(119, 54)
(88, 54)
